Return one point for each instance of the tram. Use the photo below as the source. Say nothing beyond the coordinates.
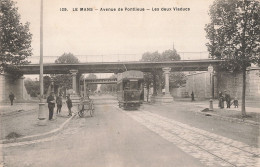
(130, 91)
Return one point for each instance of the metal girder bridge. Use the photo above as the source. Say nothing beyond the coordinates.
(101, 81)
(118, 67)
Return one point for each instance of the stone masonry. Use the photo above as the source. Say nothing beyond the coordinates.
(200, 84)
(7, 85)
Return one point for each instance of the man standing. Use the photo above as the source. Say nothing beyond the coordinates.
(192, 96)
(11, 97)
(51, 104)
(221, 100)
(69, 104)
(59, 103)
(228, 99)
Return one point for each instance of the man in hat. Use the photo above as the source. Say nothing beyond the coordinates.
(59, 103)
(227, 99)
(51, 104)
(69, 104)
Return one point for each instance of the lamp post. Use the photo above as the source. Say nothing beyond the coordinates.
(210, 70)
(41, 113)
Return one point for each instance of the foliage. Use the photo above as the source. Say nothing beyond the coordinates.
(92, 87)
(109, 87)
(46, 83)
(32, 87)
(14, 72)
(177, 79)
(65, 80)
(234, 36)
(168, 55)
(15, 43)
(234, 33)
(67, 58)
(153, 57)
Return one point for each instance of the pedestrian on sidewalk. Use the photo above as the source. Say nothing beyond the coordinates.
(51, 104)
(235, 102)
(11, 97)
(59, 103)
(192, 96)
(69, 104)
(220, 100)
(227, 99)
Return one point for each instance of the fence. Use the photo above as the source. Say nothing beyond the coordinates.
(117, 57)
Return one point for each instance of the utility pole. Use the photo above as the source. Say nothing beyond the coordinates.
(41, 114)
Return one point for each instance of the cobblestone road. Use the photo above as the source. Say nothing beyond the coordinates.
(209, 148)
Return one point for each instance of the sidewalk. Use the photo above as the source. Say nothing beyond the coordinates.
(232, 114)
(229, 114)
(21, 120)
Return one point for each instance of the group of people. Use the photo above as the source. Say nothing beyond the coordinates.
(51, 104)
(226, 98)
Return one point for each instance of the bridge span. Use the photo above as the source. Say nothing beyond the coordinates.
(118, 67)
(101, 81)
(102, 67)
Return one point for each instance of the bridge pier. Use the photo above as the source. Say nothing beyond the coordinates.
(75, 97)
(74, 80)
(7, 85)
(167, 97)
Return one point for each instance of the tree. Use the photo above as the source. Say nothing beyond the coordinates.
(65, 80)
(15, 40)
(109, 87)
(32, 87)
(177, 79)
(67, 58)
(156, 77)
(170, 55)
(234, 36)
(46, 83)
(92, 87)
(148, 80)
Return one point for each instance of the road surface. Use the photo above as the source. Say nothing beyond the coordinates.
(143, 138)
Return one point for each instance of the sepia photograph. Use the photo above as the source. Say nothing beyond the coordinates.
(129, 83)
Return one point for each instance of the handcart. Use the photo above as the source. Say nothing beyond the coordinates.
(86, 105)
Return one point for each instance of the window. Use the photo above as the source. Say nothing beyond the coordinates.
(133, 85)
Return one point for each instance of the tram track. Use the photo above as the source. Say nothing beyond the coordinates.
(215, 136)
(209, 148)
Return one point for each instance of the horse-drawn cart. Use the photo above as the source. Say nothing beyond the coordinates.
(86, 105)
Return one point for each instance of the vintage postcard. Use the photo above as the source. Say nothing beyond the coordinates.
(129, 83)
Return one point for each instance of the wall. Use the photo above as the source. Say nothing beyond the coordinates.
(7, 85)
(200, 84)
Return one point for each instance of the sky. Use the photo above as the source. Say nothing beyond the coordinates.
(116, 35)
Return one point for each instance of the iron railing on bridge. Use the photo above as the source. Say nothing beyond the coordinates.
(118, 57)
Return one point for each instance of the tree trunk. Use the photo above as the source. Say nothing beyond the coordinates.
(147, 93)
(154, 85)
(159, 92)
(243, 105)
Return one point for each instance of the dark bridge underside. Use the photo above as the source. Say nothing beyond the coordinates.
(118, 67)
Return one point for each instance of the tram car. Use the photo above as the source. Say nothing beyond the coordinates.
(130, 92)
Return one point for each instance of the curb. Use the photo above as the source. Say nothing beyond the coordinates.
(38, 136)
(237, 120)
